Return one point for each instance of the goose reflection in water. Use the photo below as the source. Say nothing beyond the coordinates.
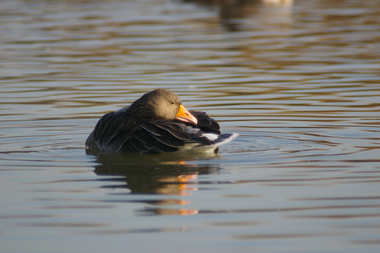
(149, 175)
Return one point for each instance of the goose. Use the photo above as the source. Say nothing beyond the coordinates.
(156, 123)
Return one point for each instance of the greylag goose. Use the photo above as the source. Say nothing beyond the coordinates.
(156, 123)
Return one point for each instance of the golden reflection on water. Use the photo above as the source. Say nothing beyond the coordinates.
(156, 174)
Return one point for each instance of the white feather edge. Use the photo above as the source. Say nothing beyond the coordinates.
(218, 139)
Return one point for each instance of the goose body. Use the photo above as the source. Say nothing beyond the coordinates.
(156, 123)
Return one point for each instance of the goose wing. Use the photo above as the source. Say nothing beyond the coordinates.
(205, 123)
(119, 132)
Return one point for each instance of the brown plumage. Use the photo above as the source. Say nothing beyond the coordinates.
(155, 123)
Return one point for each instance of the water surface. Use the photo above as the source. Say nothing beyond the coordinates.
(299, 82)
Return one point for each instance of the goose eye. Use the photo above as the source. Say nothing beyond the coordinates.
(172, 102)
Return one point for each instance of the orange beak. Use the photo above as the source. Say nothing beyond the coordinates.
(186, 116)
